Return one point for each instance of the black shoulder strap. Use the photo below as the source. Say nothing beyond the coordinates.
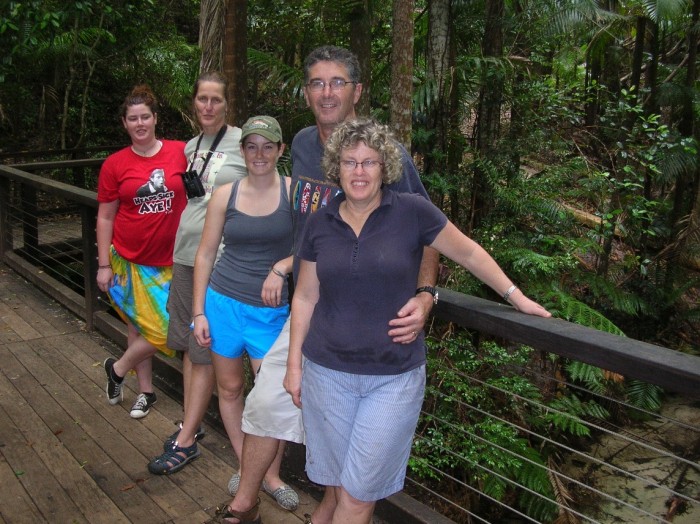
(212, 148)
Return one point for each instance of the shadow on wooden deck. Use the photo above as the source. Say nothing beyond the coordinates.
(66, 455)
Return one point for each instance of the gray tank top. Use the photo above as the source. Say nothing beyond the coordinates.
(251, 245)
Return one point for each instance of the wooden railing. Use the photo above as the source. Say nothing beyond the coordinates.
(669, 369)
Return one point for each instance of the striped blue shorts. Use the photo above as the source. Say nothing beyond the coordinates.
(359, 428)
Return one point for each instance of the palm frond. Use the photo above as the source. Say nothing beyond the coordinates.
(286, 79)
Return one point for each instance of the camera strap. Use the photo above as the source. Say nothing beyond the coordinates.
(212, 148)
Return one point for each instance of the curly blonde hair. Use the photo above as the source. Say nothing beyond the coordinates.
(371, 133)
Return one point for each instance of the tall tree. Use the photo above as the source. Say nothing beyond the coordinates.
(361, 45)
(235, 64)
(211, 34)
(489, 108)
(402, 70)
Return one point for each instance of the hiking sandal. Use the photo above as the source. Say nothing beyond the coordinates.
(173, 460)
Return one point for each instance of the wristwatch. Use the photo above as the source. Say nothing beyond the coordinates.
(429, 289)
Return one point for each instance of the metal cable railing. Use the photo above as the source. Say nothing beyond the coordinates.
(649, 442)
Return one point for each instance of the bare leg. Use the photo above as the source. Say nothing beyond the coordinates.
(186, 380)
(230, 385)
(323, 514)
(258, 454)
(144, 373)
(350, 510)
(201, 386)
(272, 476)
(138, 351)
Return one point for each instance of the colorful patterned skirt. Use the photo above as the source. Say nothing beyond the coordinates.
(139, 294)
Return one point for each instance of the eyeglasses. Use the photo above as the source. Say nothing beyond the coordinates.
(367, 165)
(336, 84)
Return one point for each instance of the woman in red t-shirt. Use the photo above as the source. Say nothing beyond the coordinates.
(141, 196)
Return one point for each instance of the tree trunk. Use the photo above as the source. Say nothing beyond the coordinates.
(211, 35)
(72, 73)
(651, 104)
(489, 109)
(444, 157)
(638, 56)
(235, 63)
(402, 71)
(361, 45)
(688, 126)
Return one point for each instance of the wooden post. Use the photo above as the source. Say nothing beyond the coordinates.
(5, 224)
(89, 222)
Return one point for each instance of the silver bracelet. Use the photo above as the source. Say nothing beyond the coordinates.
(508, 293)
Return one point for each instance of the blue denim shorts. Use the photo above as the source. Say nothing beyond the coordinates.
(236, 327)
(359, 428)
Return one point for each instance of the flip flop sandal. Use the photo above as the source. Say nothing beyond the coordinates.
(224, 511)
(173, 460)
(285, 496)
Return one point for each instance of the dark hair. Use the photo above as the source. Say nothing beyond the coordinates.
(371, 133)
(141, 94)
(331, 53)
(210, 76)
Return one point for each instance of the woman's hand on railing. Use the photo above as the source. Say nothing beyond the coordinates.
(526, 305)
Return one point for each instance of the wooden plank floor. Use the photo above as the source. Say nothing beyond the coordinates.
(66, 455)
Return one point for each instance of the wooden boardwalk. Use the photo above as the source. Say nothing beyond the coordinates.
(66, 455)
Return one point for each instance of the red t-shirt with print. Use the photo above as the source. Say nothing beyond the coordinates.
(151, 198)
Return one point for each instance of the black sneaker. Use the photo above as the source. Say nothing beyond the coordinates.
(143, 405)
(114, 386)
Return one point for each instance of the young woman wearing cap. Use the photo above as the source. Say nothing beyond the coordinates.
(241, 304)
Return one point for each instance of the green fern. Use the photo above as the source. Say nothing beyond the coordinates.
(566, 414)
(643, 395)
(573, 310)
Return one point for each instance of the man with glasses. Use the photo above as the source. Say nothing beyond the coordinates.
(332, 88)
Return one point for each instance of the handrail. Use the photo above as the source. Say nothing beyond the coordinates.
(57, 152)
(58, 164)
(84, 197)
(657, 365)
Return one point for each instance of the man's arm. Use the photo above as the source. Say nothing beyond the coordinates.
(412, 316)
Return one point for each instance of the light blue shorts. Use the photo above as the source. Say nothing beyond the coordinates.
(235, 326)
(359, 428)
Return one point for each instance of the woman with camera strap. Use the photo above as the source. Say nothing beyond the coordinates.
(213, 159)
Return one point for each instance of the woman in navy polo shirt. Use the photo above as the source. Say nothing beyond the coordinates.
(360, 256)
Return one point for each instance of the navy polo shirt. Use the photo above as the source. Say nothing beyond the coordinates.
(365, 280)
